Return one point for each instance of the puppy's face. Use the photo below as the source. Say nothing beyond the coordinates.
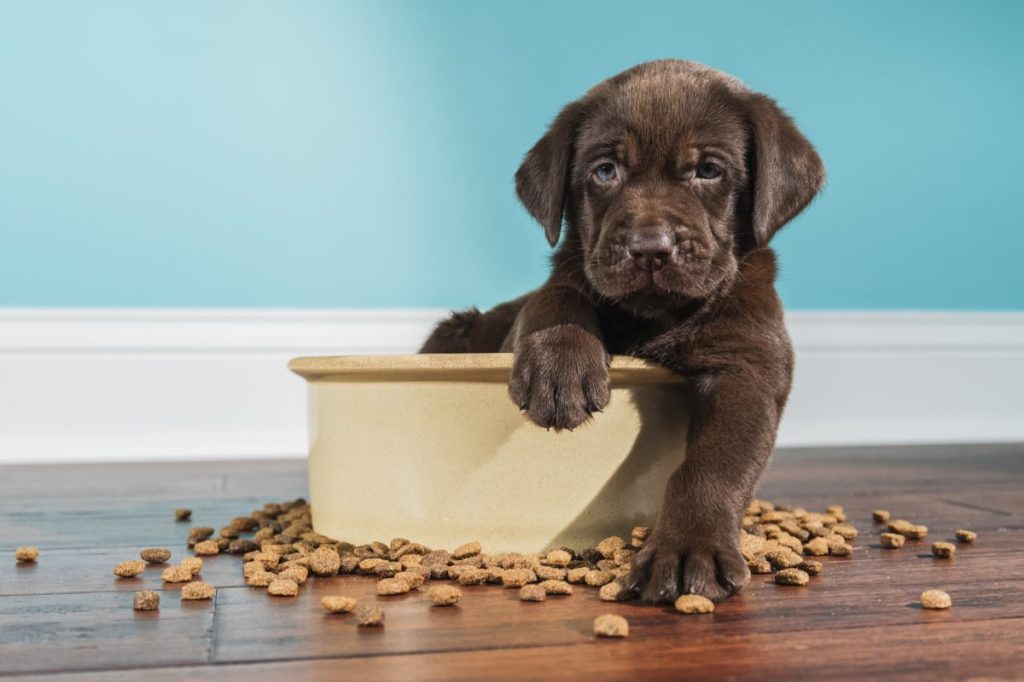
(657, 176)
(667, 174)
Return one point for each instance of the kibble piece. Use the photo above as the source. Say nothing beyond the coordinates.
(197, 590)
(917, 532)
(611, 625)
(193, 564)
(695, 603)
(558, 558)
(577, 575)
(613, 591)
(338, 603)
(146, 600)
(963, 535)
(816, 547)
(207, 548)
(414, 578)
(791, 576)
(517, 577)
(176, 574)
(251, 568)
(550, 573)
(155, 555)
(891, 540)
(610, 545)
(880, 515)
(599, 578)
(901, 526)
(760, 566)
(295, 573)
(783, 558)
(392, 586)
(943, 550)
(282, 587)
(467, 550)
(444, 595)
(198, 534)
(26, 555)
(840, 549)
(242, 546)
(811, 567)
(324, 561)
(182, 514)
(556, 587)
(474, 576)
(129, 569)
(370, 616)
(532, 593)
(260, 579)
(845, 530)
(935, 599)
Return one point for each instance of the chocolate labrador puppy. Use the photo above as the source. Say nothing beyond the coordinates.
(670, 180)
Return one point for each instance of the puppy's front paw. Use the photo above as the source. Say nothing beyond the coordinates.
(560, 376)
(671, 564)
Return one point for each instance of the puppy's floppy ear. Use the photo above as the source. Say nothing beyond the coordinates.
(542, 179)
(786, 172)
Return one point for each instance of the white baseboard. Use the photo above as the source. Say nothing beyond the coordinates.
(90, 385)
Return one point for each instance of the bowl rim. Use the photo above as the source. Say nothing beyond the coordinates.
(453, 367)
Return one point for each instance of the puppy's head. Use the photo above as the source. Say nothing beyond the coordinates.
(666, 175)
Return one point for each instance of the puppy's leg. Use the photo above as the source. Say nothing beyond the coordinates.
(560, 370)
(694, 546)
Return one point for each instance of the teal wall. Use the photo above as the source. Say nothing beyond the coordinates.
(302, 153)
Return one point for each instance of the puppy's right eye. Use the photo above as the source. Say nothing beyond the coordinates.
(606, 172)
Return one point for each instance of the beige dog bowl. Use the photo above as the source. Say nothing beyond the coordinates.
(431, 448)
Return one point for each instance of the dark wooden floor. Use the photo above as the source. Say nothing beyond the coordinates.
(68, 614)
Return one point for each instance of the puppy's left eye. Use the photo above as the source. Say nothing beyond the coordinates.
(708, 170)
(606, 172)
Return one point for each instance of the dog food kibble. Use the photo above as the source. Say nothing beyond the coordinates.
(760, 566)
(369, 616)
(207, 548)
(532, 593)
(935, 599)
(791, 576)
(784, 558)
(392, 586)
(900, 526)
(880, 515)
(196, 591)
(811, 567)
(176, 574)
(146, 600)
(558, 558)
(155, 555)
(917, 532)
(839, 549)
(129, 569)
(324, 561)
(444, 595)
(610, 545)
(198, 534)
(298, 574)
(694, 603)
(613, 591)
(182, 514)
(891, 540)
(473, 576)
(966, 535)
(556, 587)
(611, 625)
(816, 547)
(467, 550)
(517, 577)
(193, 564)
(338, 603)
(599, 578)
(943, 550)
(26, 555)
(639, 536)
(282, 587)
(261, 579)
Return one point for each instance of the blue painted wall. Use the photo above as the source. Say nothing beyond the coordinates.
(302, 153)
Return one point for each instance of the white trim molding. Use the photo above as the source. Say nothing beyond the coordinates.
(138, 384)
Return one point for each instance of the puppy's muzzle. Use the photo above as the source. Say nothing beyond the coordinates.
(650, 248)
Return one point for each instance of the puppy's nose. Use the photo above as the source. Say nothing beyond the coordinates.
(650, 248)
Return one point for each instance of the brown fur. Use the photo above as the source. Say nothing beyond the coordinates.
(670, 178)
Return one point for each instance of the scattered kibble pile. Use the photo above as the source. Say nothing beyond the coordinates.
(283, 551)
